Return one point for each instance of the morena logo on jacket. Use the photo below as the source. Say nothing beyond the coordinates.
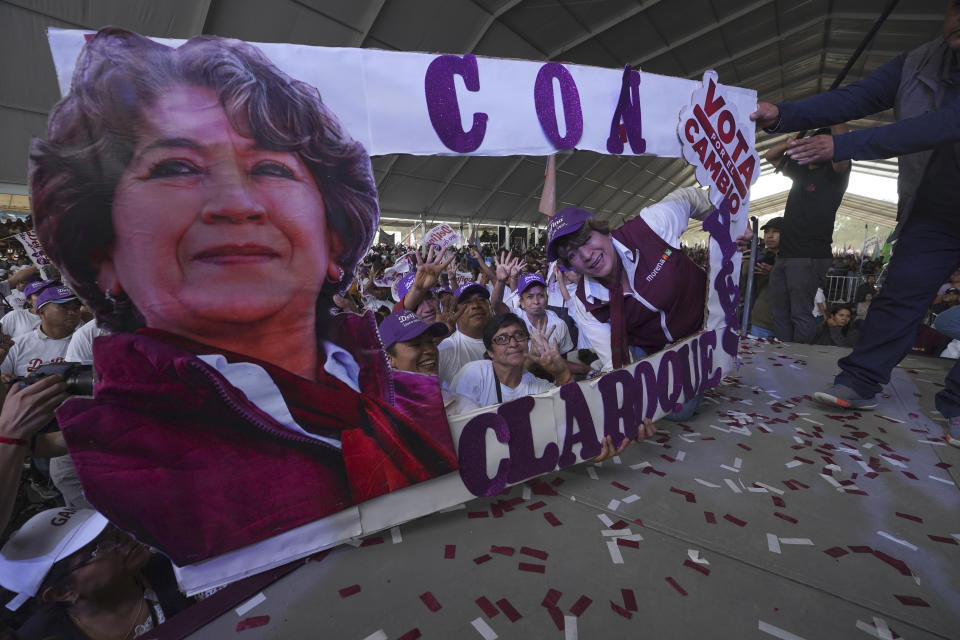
(663, 258)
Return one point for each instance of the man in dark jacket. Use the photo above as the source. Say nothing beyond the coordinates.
(923, 86)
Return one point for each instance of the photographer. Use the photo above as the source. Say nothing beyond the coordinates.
(25, 411)
(761, 316)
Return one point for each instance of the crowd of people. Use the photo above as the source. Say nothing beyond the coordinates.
(358, 344)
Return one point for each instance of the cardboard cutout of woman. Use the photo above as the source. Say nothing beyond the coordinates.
(207, 207)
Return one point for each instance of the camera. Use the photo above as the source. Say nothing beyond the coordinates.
(78, 377)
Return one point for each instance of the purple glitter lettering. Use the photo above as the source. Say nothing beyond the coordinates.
(544, 101)
(523, 461)
(442, 102)
(645, 390)
(628, 112)
(577, 412)
(613, 412)
(472, 455)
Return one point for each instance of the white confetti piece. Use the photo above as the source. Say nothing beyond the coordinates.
(636, 537)
(806, 541)
(943, 480)
(592, 473)
(250, 604)
(614, 550)
(707, 484)
(831, 480)
(890, 419)
(869, 445)
(630, 499)
(878, 629)
(792, 464)
(527, 493)
(354, 542)
(617, 460)
(733, 485)
(730, 469)
(680, 456)
(955, 536)
(737, 462)
(569, 628)
(899, 541)
(741, 430)
(813, 422)
(894, 462)
(713, 426)
(642, 465)
(779, 492)
(377, 635)
(613, 505)
(760, 369)
(793, 366)
(709, 399)
(484, 629)
(933, 442)
(756, 490)
(834, 467)
(773, 543)
(605, 519)
(777, 632)
(616, 533)
(798, 439)
(694, 555)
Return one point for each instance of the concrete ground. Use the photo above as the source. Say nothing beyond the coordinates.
(763, 517)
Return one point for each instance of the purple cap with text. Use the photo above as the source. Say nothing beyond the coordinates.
(405, 325)
(563, 224)
(529, 279)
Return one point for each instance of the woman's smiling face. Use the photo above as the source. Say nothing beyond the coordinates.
(210, 228)
(596, 257)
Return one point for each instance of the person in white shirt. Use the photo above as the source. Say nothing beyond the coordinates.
(26, 319)
(466, 343)
(17, 281)
(81, 343)
(529, 303)
(59, 310)
(503, 376)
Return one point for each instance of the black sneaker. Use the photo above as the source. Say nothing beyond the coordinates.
(844, 397)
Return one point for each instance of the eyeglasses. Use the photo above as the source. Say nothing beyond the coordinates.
(110, 542)
(505, 338)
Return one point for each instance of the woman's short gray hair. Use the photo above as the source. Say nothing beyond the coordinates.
(92, 132)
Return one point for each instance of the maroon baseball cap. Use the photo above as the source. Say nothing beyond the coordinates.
(405, 325)
(563, 224)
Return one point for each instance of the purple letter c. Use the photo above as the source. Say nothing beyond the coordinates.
(442, 102)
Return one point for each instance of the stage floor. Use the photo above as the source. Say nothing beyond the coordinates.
(764, 516)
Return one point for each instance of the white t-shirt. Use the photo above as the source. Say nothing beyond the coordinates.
(476, 382)
(816, 300)
(16, 299)
(19, 321)
(561, 334)
(32, 350)
(81, 343)
(456, 350)
(668, 218)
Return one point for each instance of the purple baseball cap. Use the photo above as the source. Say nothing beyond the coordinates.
(404, 285)
(405, 325)
(37, 287)
(562, 224)
(469, 288)
(57, 294)
(529, 279)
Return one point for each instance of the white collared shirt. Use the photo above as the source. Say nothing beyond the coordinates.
(32, 349)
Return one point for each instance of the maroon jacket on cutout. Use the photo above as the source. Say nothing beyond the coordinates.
(171, 452)
(667, 278)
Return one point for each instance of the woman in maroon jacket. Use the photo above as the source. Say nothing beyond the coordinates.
(207, 208)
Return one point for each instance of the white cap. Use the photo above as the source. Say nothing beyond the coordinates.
(44, 539)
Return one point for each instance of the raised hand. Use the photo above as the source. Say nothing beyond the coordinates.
(451, 317)
(428, 272)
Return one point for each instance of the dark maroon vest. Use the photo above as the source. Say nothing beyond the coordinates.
(667, 279)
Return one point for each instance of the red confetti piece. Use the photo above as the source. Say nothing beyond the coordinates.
(910, 517)
(696, 567)
(532, 567)
(369, 542)
(509, 610)
(675, 585)
(542, 488)
(487, 607)
(252, 622)
(711, 519)
(557, 616)
(735, 520)
(668, 458)
(430, 601)
(620, 486)
(346, 592)
(478, 514)
(778, 501)
(483, 558)
(943, 539)
(911, 601)
(943, 465)
(536, 505)
(638, 521)
(784, 516)
(857, 492)
(861, 549)
(580, 606)
(496, 511)
(789, 485)
(909, 475)
(805, 486)
(836, 552)
(557, 482)
(896, 563)
(744, 447)
(536, 553)
(687, 495)
(506, 551)
(626, 614)
(629, 600)
(619, 524)
(551, 599)
(413, 634)
(552, 519)
(623, 542)
(450, 552)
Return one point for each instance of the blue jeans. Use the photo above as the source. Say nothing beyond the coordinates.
(760, 332)
(948, 323)
(924, 257)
